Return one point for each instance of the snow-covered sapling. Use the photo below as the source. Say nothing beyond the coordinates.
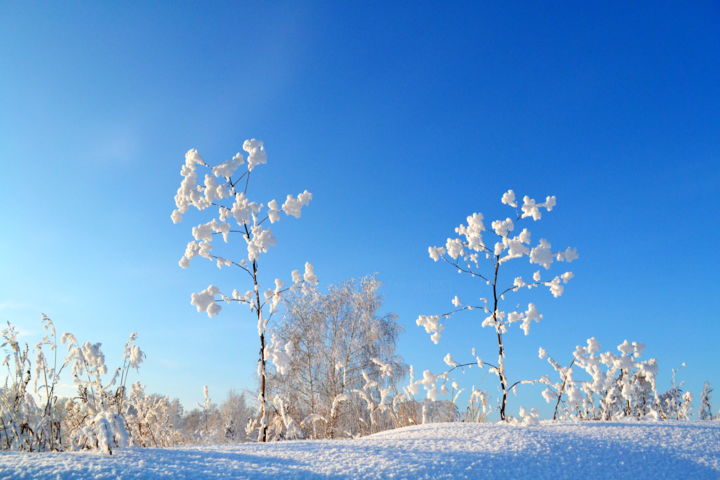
(555, 391)
(225, 192)
(470, 254)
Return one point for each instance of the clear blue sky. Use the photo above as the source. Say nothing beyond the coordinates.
(402, 119)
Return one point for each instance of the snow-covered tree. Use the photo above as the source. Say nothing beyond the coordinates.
(223, 191)
(469, 253)
(342, 367)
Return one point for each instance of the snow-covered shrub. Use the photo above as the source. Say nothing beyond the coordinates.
(335, 363)
(282, 425)
(478, 406)
(203, 425)
(554, 392)
(234, 414)
(210, 423)
(527, 417)
(675, 403)
(20, 416)
(149, 419)
(225, 192)
(95, 418)
(611, 386)
(470, 254)
(106, 431)
(31, 417)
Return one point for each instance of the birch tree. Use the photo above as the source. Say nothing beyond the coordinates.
(342, 349)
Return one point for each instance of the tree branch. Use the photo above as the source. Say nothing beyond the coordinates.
(464, 270)
(534, 284)
(470, 365)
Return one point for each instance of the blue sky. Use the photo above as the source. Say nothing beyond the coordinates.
(402, 119)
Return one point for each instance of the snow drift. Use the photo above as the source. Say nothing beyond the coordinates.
(432, 451)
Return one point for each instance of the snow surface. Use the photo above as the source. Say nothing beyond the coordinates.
(687, 450)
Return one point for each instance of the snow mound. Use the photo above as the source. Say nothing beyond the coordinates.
(434, 451)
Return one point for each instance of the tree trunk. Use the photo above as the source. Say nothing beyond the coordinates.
(501, 349)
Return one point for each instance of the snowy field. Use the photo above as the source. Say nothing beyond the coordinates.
(550, 451)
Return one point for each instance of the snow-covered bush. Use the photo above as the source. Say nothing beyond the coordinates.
(149, 419)
(210, 423)
(204, 424)
(31, 417)
(478, 406)
(97, 413)
(675, 403)
(25, 425)
(224, 192)
(106, 431)
(235, 412)
(470, 254)
(611, 386)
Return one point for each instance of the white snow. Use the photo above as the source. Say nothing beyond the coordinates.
(554, 451)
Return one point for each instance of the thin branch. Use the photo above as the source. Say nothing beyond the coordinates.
(247, 180)
(215, 257)
(231, 299)
(520, 382)
(470, 365)
(515, 288)
(220, 205)
(232, 184)
(464, 270)
(466, 307)
(562, 390)
(467, 244)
